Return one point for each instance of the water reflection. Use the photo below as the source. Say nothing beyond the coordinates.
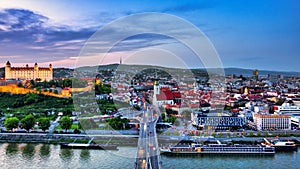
(45, 151)
(66, 154)
(11, 149)
(84, 154)
(28, 151)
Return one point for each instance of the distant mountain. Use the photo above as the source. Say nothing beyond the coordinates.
(62, 73)
(67, 72)
(249, 72)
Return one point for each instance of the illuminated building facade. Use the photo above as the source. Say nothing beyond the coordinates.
(28, 73)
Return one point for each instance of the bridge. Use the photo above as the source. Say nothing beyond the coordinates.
(148, 154)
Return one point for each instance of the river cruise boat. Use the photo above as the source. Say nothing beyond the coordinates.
(89, 145)
(281, 145)
(218, 149)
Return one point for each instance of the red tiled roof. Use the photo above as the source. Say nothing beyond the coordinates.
(165, 95)
(44, 68)
(164, 89)
(28, 68)
(22, 68)
(176, 94)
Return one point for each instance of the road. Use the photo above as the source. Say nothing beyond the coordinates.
(148, 155)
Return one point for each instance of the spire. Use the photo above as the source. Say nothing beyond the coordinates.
(7, 63)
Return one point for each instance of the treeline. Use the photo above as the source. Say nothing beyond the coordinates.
(28, 123)
(37, 83)
(102, 89)
(34, 103)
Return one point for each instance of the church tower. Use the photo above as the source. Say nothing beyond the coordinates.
(195, 87)
(156, 88)
(7, 70)
(156, 91)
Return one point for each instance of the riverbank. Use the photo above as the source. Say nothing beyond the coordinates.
(120, 140)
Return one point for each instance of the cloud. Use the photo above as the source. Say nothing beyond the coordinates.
(21, 19)
(24, 32)
(32, 35)
(189, 7)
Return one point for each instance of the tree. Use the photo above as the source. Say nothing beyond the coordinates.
(280, 102)
(28, 122)
(163, 117)
(251, 134)
(44, 123)
(258, 134)
(11, 123)
(118, 123)
(65, 123)
(172, 119)
(55, 91)
(271, 110)
(168, 111)
(39, 89)
(266, 134)
(32, 83)
(20, 84)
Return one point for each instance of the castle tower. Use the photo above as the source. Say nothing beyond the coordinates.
(36, 67)
(36, 70)
(7, 70)
(50, 75)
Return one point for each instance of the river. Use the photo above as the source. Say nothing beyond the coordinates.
(49, 156)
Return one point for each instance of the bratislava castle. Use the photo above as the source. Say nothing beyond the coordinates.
(28, 73)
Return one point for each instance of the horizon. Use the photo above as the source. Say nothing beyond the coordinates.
(201, 68)
(247, 35)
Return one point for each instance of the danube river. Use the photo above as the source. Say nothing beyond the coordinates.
(45, 156)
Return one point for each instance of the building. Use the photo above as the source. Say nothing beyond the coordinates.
(28, 73)
(286, 109)
(272, 122)
(162, 95)
(218, 122)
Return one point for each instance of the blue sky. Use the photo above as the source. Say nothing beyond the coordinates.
(263, 34)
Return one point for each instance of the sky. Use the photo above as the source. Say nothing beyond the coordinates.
(252, 34)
